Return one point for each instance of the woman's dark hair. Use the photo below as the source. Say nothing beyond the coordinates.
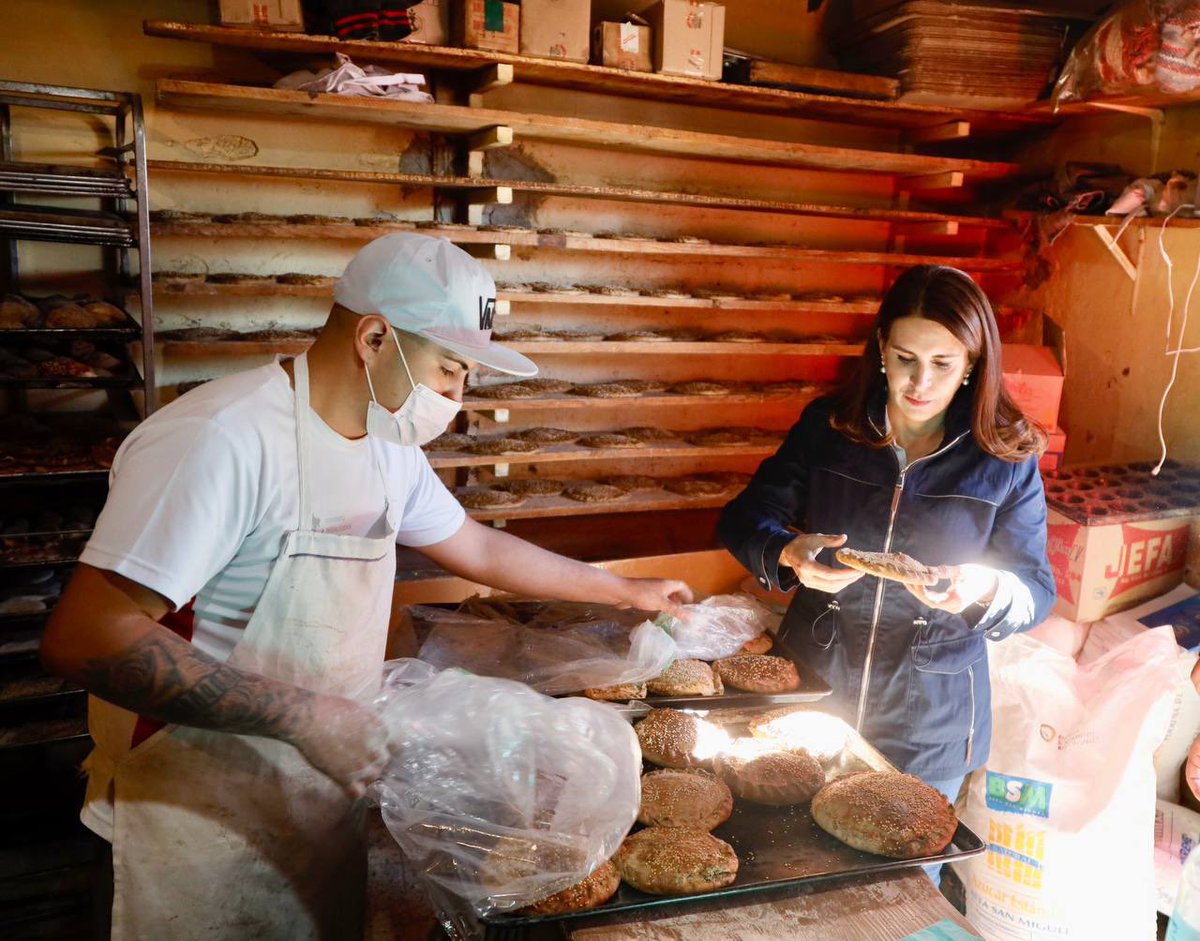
(948, 297)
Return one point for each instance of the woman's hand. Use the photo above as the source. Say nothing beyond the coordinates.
(800, 556)
(969, 583)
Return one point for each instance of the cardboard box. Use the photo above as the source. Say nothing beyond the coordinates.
(1055, 448)
(689, 37)
(262, 14)
(1033, 376)
(623, 46)
(1102, 569)
(556, 29)
(488, 24)
(431, 23)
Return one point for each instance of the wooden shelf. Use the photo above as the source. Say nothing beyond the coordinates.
(558, 403)
(1107, 104)
(184, 348)
(618, 246)
(453, 119)
(637, 502)
(1085, 221)
(555, 453)
(673, 348)
(609, 81)
(866, 307)
(616, 193)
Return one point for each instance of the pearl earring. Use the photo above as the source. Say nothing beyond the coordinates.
(966, 379)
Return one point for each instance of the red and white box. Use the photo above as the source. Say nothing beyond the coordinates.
(1102, 569)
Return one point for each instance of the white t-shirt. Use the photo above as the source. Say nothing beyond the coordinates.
(203, 491)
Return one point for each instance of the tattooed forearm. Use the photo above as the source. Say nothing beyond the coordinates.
(166, 678)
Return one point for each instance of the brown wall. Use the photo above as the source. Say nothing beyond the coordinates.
(1115, 327)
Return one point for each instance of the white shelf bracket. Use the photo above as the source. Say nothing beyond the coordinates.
(1116, 251)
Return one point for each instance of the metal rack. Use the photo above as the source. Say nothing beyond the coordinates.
(120, 229)
(43, 734)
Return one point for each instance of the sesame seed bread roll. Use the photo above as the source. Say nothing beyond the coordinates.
(758, 673)
(676, 861)
(887, 813)
(590, 892)
(674, 798)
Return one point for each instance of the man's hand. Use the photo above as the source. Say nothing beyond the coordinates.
(345, 741)
(969, 583)
(654, 594)
(800, 556)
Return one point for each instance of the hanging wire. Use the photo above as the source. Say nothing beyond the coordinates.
(1179, 350)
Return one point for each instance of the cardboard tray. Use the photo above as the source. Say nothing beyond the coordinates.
(778, 848)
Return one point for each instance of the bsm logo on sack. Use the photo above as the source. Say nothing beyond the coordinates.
(1010, 794)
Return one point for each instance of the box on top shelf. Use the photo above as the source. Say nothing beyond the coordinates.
(488, 24)
(556, 29)
(623, 45)
(430, 23)
(1118, 535)
(689, 37)
(1033, 376)
(262, 14)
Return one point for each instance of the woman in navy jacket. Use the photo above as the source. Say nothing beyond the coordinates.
(921, 451)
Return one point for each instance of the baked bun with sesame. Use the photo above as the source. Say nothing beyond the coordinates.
(758, 673)
(676, 861)
(674, 739)
(674, 798)
(686, 678)
(887, 813)
(766, 773)
(590, 892)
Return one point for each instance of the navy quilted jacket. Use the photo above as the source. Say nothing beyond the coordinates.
(914, 680)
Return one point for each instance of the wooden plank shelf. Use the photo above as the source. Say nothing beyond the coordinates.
(556, 453)
(454, 119)
(559, 403)
(675, 348)
(610, 81)
(865, 306)
(646, 501)
(620, 246)
(1086, 221)
(580, 191)
(269, 288)
(186, 348)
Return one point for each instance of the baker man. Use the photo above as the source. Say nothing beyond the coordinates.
(230, 612)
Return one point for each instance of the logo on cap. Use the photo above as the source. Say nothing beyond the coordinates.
(487, 312)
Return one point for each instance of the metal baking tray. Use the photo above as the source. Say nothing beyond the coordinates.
(778, 848)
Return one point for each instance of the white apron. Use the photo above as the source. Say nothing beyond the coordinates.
(220, 836)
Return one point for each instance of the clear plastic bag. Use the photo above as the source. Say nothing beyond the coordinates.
(562, 649)
(1145, 45)
(499, 795)
(718, 626)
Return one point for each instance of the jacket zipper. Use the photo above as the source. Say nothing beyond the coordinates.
(971, 729)
(887, 547)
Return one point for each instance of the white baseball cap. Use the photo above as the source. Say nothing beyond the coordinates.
(434, 289)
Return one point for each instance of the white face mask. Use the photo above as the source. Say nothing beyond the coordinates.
(423, 416)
